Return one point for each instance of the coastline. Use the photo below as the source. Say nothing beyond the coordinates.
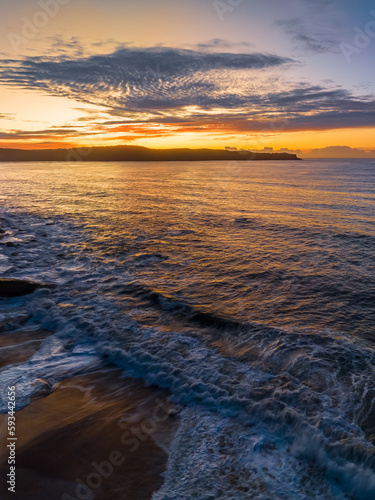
(86, 436)
(136, 153)
(94, 435)
(243, 399)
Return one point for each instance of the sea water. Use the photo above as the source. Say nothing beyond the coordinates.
(247, 289)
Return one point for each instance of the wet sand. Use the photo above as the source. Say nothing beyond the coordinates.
(99, 436)
(17, 347)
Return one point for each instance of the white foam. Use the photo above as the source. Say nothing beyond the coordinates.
(48, 366)
(286, 424)
(216, 458)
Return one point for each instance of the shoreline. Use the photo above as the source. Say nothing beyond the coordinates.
(93, 436)
(136, 154)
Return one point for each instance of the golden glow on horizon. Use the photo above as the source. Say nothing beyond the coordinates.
(42, 121)
(215, 106)
(304, 141)
(34, 111)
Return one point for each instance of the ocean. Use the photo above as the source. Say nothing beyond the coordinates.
(244, 289)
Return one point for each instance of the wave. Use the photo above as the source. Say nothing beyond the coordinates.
(318, 233)
(267, 413)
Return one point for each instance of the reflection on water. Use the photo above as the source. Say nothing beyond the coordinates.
(279, 243)
(244, 290)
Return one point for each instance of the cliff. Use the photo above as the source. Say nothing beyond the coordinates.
(136, 153)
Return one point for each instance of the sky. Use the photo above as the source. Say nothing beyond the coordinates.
(295, 75)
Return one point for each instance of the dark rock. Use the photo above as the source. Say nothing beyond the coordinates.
(42, 387)
(17, 288)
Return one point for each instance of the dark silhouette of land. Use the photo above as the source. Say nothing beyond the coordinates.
(136, 153)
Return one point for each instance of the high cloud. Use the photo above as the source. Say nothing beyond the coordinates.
(138, 78)
(191, 89)
(307, 37)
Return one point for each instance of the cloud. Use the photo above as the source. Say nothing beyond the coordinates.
(219, 43)
(321, 6)
(339, 152)
(7, 116)
(320, 101)
(317, 26)
(189, 90)
(307, 37)
(329, 152)
(133, 82)
(49, 133)
(301, 108)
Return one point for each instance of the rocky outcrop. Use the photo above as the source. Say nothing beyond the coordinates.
(17, 288)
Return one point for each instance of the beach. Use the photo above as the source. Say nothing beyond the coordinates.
(95, 436)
